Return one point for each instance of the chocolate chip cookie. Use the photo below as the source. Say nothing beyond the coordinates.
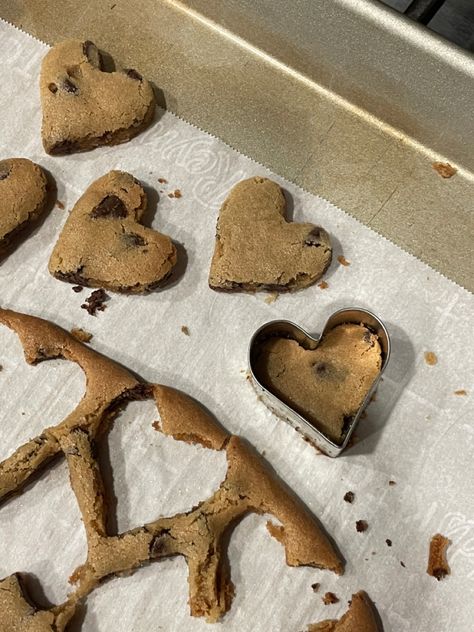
(258, 249)
(23, 197)
(104, 245)
(326, 385)
(83, 106)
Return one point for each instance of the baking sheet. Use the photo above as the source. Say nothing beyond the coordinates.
(417, 432)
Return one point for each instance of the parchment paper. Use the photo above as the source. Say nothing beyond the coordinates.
(417, 433)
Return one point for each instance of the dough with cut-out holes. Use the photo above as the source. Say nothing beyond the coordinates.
(199, 535)
(258, 249)
(83, 106)
(104, 245)
(23, 197)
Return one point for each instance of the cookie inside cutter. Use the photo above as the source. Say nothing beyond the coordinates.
(321, 385)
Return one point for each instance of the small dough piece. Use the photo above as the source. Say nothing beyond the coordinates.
(359, 618)
(258, 249)
(23, 197)
(104, 245)
(437, 562)
(326, 385)
(83, 106)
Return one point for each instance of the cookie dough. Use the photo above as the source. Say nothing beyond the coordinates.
(83, 106)
(437, 561)
(200, 535)
(326, 385)
(23, 197)
(258, 249)
(359, 618)
(104, 245)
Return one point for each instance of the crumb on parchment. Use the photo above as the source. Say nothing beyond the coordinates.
(60, 205)
(343, 261)
(361, 526)
(431, 358)
(185, 330)
(323, 285)
(438, 566)
(330, 598)
(461, 392)
(349, 497)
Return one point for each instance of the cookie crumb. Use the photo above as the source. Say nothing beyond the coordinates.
(156, 425)
(60, 205)
(343, 261)
(1, 367)
(349, 497)
(361, 526)
(444, 169)
(271, 298)
(162, 180)
(329, 598)
(437, 563)
(323, 285)
(315, 587)
(185, 330)
(171, 195)
(178, 194)
(388, 542)
(402, 564)
(81, 334)
(77, 288)
(461, 391)
(95, 302)
(431, 358)
(392, 483)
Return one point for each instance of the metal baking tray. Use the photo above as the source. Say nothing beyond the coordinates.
(347, 98)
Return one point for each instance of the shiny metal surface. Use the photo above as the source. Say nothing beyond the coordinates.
(321, 94)
(292, 330)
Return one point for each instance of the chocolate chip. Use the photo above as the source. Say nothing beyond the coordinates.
(69, 86)
(77, 288)
(322, 369)
(110, 206)
(4, 169)
(92, 53)
(349, 497)
(315, 586)
(314, 238)
(64, 147)
(133, 74)
(52, 87)
(361, 525)
(133, 240)
(95, 302)
(388, 542)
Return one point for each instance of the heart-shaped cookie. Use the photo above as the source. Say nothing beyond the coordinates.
(103, 244)
(325, 381)
(84, 107)
(257, 249)
(23, 196)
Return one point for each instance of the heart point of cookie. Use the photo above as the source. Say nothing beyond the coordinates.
(258, 249)
(103, 244)
(85, 107)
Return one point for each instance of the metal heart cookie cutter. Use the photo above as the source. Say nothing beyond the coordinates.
(288, 329)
